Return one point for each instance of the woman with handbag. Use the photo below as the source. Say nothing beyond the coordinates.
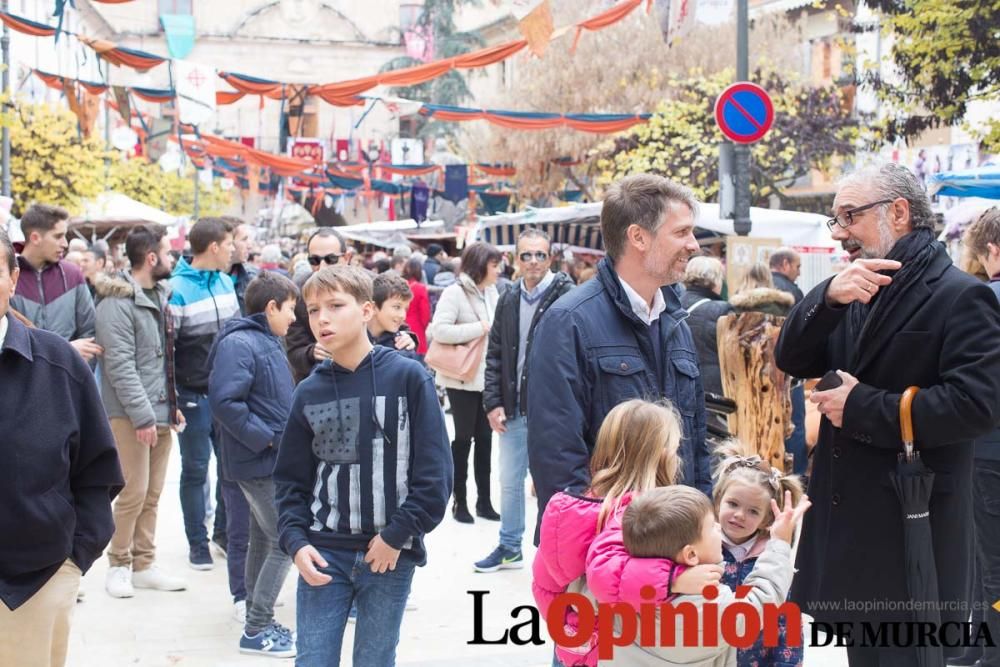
(459, 333)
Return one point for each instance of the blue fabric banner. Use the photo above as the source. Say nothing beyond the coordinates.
(179, 29)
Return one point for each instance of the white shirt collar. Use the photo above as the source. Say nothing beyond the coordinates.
(739, 551)
(639, 305)
(3, 330)
(541, 286)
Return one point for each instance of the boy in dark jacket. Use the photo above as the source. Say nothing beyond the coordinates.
(249, 390)
(392, 296)
(363, 472)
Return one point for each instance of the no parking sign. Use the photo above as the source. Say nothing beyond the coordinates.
(744, 112)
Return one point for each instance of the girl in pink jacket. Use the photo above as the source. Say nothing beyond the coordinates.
(745, 485)
(636, 450)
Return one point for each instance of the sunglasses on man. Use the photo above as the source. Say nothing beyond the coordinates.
(538, 256)
(331, 259)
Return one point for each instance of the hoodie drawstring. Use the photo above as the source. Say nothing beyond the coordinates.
(336, 396)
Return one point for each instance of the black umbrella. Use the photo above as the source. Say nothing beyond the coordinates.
(913, 482)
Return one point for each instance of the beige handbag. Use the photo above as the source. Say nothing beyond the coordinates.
(457, 361)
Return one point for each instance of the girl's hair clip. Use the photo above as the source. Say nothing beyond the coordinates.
(755, 462)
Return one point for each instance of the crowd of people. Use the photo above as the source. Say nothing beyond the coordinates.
(320, 383)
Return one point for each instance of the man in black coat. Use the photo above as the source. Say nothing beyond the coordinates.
(505, 395)
(326, 247)
(900, 315)
(435, 255)
(786, 265)
(60, 473)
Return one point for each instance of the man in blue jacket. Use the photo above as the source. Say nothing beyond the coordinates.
(202, 301)
(617, 337)
(59, 476)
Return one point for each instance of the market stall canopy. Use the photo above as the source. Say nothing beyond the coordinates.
(389, 234)
(980, 182)
(578, 227)
(112, 215)
(114, 206)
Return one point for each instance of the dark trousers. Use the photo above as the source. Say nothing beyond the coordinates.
(986, 584)
(267, 564)
(237, 528)
(219, 523)
(196, 451)
(471, 422)
(796, 442)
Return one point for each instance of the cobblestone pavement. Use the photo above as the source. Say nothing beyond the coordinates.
(194, 628)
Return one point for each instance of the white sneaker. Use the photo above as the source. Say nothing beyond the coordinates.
(118, 582)
(158, 580)
(240, 612)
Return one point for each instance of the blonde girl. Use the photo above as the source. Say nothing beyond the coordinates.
(636, 450)
(744, 487)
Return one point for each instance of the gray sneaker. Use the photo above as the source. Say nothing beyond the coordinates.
(502, 558)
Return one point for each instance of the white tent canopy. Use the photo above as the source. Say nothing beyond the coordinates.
(578, 226)
(116, 206)
(388, 234)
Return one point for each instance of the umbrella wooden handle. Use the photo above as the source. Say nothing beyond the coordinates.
(906, 413)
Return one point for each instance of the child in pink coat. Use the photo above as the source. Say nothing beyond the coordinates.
(636, 450)
(746, 489)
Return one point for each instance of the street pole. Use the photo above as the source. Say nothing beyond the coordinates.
(741, 152)
(5, 48)
(196, 211)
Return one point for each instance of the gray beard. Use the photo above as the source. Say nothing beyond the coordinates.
(885, 242)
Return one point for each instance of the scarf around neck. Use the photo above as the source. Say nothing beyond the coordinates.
(915, 251)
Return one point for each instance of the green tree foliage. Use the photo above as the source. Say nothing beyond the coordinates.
(51, 162)
(169, 191)
(601, 76)
(438, 19)
(947, 53)
(811, 130)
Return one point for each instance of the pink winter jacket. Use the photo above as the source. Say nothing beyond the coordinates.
(613, 575)
(569, 529)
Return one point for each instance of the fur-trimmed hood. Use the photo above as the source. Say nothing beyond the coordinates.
(123, 286)
(759, 297)
(119, 286)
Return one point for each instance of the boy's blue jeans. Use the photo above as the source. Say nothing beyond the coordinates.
(321, 611)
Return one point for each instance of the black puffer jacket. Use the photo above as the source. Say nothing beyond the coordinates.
(501, 385)
(702, 322)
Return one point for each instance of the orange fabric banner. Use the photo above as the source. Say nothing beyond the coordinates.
(272, 90)
(604, 127)
(489, 55)
(409, 76)
(495, 171)
(537, 28)
(228, 96)
(50, 80)
(604, 19)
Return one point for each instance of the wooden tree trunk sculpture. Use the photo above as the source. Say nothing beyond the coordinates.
(763, 416)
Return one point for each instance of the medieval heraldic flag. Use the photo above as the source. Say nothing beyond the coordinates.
(195, 86)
